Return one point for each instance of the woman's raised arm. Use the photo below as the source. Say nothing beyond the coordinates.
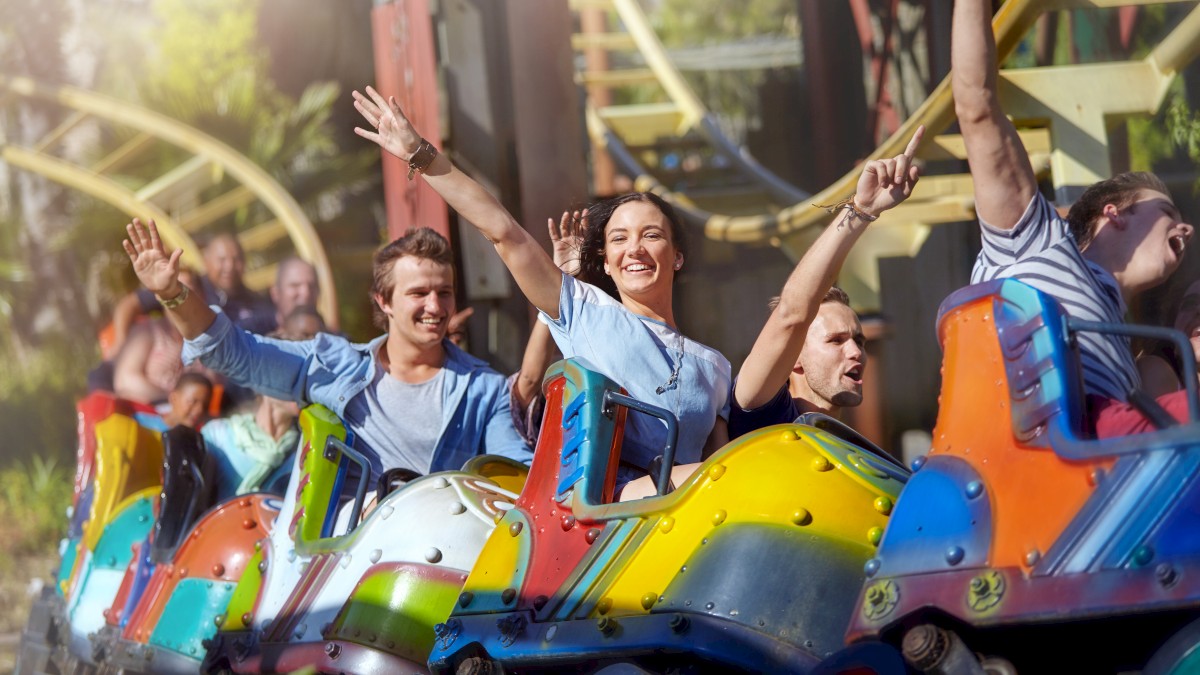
(532, 268)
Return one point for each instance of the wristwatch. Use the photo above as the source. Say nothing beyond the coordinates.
(422, 158)
(176, 301)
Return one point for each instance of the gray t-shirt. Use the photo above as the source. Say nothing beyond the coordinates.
(398, 423)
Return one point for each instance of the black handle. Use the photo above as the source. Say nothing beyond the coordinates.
(197, 492)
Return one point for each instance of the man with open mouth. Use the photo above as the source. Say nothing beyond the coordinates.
(1122, 236)
(809, 356)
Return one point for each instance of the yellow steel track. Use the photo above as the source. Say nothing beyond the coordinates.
(180, 199)
(1063, 113)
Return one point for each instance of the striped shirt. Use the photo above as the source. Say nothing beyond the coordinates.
(1041, 251)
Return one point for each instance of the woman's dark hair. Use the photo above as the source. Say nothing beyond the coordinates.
(591, 258)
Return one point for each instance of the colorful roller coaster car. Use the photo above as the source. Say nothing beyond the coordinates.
(1019, 537)
(185, 573)
(752, 565)
(365, 601)
(118, 501)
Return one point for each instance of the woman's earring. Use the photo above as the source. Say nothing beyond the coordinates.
(678, 265)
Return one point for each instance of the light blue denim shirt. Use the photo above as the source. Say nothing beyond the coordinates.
(331, 370)
(653, 362)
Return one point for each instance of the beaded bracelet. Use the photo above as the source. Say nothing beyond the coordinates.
(849, 205)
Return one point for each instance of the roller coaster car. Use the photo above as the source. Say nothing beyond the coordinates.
(90, 411)
(113, 511)
(1019, 537)
(184, 574)
(753, 564)
(365, 601)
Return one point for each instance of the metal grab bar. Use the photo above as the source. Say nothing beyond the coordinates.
(613, 399)
(332, 444)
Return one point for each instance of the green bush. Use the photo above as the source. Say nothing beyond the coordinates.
(34, 496)
(37, 402)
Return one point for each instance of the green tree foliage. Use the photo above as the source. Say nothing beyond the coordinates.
(211, 73)
(202, 47)
(198, 61)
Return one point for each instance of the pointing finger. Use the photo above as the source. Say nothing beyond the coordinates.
(911, 150)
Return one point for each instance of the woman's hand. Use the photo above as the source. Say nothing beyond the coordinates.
(155, 268)
(393, 132)
(884, 183)
(566, 240)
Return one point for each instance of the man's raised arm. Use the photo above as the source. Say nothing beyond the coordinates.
(1004, 180)
(884, 183)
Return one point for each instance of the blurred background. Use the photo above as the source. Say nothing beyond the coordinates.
(234, 116)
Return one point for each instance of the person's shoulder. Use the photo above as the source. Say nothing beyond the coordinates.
(709, 354)
(339, 341)
(336, 352)
(780, 409)
(587, 292)
(1039, 213)
(465, 362)
(215, 430)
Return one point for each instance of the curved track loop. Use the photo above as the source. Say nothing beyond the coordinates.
(172, 198)
(1071, 146)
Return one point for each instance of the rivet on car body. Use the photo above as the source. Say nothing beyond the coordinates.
(648, 600)
(954, 555)
(801, 516)
(974, 489)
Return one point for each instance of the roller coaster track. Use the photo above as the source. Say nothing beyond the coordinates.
(207, 189)
(1062, 112)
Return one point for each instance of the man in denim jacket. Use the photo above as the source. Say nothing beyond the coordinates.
(412, 399)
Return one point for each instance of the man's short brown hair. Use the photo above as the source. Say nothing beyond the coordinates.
(834, 294)
(1121, 191)
(419, 242)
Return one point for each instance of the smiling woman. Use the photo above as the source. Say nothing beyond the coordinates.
(633, 242)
